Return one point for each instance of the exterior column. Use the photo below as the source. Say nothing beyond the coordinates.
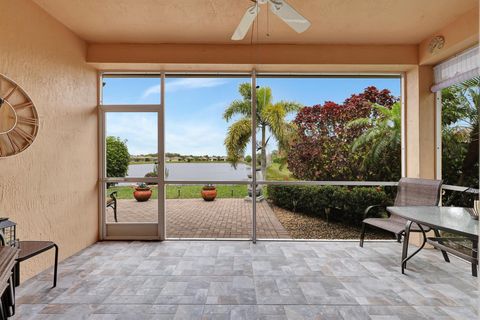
(420, 123)
(420, 118)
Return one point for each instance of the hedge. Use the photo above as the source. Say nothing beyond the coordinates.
(343, 204)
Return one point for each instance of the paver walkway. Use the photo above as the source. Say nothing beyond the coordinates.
(211, 280)
(195, 218)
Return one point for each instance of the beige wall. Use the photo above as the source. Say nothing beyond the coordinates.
(50, 190)
(459, 35)
(252, 54)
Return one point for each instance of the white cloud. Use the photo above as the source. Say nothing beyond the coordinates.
(185, 137)
(194, 138)
(184, 84)
(139, 129)
(153, 90)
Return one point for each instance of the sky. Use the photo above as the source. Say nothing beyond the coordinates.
(194, 123)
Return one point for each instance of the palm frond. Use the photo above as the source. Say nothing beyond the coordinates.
(245, 90)
(237, 107)
(273, 115)
(383, 111)
(474, 82)
(238, 136)
(384, 132)
(264, 98)
(290, 106)
(360, 122)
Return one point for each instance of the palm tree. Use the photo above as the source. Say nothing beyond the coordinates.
(269, 116)
(383, 133)
(460, 116)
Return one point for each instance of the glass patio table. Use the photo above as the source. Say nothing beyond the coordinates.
(454, 220)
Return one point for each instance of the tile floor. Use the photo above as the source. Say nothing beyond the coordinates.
(241, 280)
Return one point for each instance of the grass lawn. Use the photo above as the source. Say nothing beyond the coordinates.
(191, 191)
(184, 192)
(193, 161)
(275, 173)
(140, 162)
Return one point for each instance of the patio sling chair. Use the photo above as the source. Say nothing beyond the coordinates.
(410, 192)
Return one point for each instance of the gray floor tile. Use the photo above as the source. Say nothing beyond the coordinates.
(241, 280)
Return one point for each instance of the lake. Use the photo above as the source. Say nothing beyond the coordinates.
(194, 171)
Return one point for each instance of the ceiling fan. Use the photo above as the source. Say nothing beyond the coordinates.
(280, 8)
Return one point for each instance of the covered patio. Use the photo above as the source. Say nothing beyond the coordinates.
(58, 59)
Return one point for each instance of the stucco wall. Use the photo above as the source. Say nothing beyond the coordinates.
(459, 35)
(50, 190)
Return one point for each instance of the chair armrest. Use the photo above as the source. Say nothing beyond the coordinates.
(113, 195)
(369, 209)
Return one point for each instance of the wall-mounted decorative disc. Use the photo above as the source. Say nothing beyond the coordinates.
(18, 118)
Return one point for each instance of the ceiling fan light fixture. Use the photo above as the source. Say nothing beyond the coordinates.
(280, 8)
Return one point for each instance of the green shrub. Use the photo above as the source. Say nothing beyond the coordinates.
(343, 204)
(118, 157)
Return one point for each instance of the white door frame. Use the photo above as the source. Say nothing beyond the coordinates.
(133, 230)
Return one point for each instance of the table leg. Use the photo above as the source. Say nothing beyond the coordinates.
(3, 316)
(408, 225)
(55, 267)
(405, 244)
(444, 253)
(474, 256)
(11, 297)
(16, 274)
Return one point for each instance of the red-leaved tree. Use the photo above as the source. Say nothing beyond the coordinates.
(321, 149)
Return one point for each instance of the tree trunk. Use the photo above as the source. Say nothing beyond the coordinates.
(263, 157)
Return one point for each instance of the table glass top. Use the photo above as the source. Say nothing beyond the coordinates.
(445, 218)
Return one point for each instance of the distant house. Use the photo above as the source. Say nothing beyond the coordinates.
(173, 159)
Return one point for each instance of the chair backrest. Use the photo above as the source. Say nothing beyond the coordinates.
(418, 192)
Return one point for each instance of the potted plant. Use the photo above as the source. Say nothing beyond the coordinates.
(209, 192)
(142, 192)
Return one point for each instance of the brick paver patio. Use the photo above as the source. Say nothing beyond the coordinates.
(195, 218)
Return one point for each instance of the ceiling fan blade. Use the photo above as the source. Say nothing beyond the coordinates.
(291, 16)
(246, 22)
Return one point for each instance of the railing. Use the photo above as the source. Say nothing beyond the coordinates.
(460, 189)
(288, 182)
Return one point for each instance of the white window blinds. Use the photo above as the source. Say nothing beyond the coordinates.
(462, 67)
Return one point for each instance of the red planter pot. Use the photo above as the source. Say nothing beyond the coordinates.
(142, 195)
(209, 194)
